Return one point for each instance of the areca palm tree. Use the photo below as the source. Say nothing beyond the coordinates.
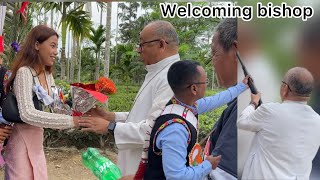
(65, 9)
(62, 8)
(79, 24)
(97, 37)
(108, 40)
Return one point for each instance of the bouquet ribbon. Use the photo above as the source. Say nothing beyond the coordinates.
(90, 88)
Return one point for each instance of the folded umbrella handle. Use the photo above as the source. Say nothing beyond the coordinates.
(251, 85)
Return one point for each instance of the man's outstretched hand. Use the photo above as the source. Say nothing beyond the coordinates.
(94, 124)
(100, 112)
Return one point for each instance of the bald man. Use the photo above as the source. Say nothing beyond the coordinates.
(158, 49)
(287, 134)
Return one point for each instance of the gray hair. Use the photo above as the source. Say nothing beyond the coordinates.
(227, 30)
(165, 30)
(300, 81)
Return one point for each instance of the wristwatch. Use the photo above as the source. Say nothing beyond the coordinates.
(111, 127)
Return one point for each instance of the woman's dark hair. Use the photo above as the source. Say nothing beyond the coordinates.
(28, 55)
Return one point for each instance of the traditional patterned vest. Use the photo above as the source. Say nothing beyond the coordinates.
(173, 113)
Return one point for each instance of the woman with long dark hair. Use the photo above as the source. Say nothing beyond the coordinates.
(24, 156)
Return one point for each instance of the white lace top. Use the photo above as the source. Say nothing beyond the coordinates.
(22, 88)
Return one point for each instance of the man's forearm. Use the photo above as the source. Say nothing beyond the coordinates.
(110, 116)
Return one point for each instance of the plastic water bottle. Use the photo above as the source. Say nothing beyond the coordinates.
(101, 166)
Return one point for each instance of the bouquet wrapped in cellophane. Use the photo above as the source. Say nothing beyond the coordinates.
(59, 104)
(85, 96)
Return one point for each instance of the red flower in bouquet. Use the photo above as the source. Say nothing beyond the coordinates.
(105, 86)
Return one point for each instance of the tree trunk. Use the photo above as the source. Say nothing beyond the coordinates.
(108, 40)
(213, 85)
(89, 9)
(73, 59)
(63, 51)
(2, 17)
(51, 19)
(97, 71)
(116, 50)
(68, 58)
(101, 12)
(45, 18)
(79, 62)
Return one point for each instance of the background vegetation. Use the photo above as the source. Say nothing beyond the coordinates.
(87, 52)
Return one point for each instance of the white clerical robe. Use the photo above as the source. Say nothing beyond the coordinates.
(286, 141)
(132, 126)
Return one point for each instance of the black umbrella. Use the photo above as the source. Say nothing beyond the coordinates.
(251, 85)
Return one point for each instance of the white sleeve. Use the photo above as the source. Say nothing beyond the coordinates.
(253, 120)
(121, 116)
(132, 135)
(23, 91)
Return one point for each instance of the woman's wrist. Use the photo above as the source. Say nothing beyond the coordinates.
(76, 120)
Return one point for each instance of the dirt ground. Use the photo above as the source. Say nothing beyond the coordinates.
(65, 164)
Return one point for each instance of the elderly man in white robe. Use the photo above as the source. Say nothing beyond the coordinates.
(287, 134)
(158, 50)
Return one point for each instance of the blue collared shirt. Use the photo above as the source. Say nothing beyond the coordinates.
(173, 139)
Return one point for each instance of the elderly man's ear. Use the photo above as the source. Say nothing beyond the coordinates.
(235, 46)
(235, 49)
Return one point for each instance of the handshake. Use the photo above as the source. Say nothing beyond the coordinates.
(95, 120)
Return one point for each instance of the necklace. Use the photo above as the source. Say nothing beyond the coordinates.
(145, 87)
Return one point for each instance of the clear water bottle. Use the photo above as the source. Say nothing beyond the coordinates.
(101, 166)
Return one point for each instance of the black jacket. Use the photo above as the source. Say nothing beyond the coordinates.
(224, 139)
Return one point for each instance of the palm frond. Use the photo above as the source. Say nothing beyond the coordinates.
(79, 23)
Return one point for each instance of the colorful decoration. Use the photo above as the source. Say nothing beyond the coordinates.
(176, 120)
(23, 11)
(195, 156)
(15, 46)
(1, 44)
